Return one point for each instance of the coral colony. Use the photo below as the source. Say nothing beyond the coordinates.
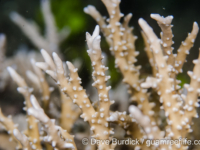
(139, 124)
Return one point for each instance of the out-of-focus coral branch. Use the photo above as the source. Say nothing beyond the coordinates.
(51, 30)
(39, 79)
(33, 131)
(91, 10)
(69, 112)
(30, 31)
(144, 122)
(191, 98)
(23, 140)
(52, 37)
(10, 126)
(185, 47)
(55, 134)
(150, 54)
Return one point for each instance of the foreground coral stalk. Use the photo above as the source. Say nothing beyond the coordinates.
(56, 136)
(10, 127)
(71, 86)
(33, 131)
(121, 42)
(178, 114)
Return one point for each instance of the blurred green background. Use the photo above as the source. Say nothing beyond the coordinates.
(70, 13)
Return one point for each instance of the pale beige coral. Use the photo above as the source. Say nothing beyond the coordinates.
(121, 41)
(140, 123)
(69, 112)
(55, 134)
(10, 126)
(71, 86)
(39, 79)
(33, 131)
(178, 114)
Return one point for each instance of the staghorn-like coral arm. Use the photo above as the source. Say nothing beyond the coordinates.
(17, 78)
(144, 122)
(91, 10)
(10, 126)
(41, 84)
(55, 134)
(149, 54)
(69, 112)
(129, 41)
(166, 36)
(171, 101)
(99, 75)
(191, 98)
(185, 47)
(30, 30)
(120, 49)
(52, 39)
(67, 103)
(34, 79)
(51, 30)
(149, 131)
(166, 90)
(53, 36)
(33, 131)
(175, 61)
(23, 139)
(71, 85)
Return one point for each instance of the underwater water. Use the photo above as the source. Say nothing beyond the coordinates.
(26, 27)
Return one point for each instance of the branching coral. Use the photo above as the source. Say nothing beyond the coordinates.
(121, 42)
(33, 130)
(179, 114)
(57, 137)
(141, 123)
(52, 37)
(71, 87)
